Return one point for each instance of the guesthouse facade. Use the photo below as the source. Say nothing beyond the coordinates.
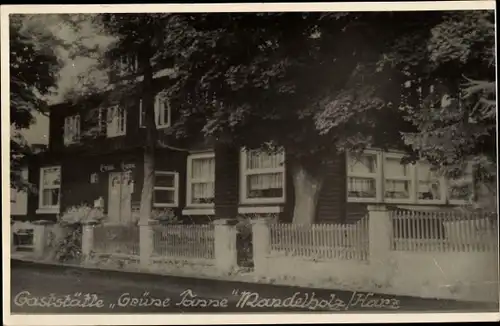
(201, 181)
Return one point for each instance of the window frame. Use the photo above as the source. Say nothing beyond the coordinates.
(125, 68)
(378, 176)
(72, 123)
(411, 178)
(159, 99)
(444, 189)
(113, 120)
(189, 180)
(51, 208)
(244, 173)
(175, 189)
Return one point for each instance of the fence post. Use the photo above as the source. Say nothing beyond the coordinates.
(146, 242)
(380, 237)
(226, 254)
(87, 239)
(39, 237)
(261, 241)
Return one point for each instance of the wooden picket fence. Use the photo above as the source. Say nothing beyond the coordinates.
(184, 241)
(116, 239)
(321, 241)
(452, 231)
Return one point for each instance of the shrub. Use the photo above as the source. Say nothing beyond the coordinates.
(165, 216)
(69, 247)
(81, 214)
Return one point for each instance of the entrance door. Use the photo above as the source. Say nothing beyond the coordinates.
(119, 197)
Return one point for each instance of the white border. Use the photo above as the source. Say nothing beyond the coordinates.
(202, 318)
(254, 7)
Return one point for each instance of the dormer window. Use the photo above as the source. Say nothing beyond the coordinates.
(127, 64)
(71, 129)
(162, 112)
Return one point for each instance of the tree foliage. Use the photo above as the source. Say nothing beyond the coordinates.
(319, 83)
(312, 82)
(34, 66)
(451, 91)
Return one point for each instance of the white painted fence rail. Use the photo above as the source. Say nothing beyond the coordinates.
(321, 241)
(116, 239)
(184, 241)
(453, 231)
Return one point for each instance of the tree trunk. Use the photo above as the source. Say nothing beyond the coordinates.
(147, 186)
(150, 141)
(307, 187)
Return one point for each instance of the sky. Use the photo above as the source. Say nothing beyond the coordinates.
(68, 75)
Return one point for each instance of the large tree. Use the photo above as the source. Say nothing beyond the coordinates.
(138, 38)
(308, 82)
(451, 94)
(314, 83)
(34, 67)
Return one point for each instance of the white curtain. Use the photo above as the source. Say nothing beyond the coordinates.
(203, 169)
(361, 185)
(50, 197)
(263, 160)
(203, 190)
(203, 175)
(265, 181)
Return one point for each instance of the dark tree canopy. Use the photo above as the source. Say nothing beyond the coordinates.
(34, 67)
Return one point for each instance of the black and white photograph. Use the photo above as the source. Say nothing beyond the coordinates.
(206, 161)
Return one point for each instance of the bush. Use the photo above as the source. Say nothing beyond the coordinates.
(69, 248)
(81, 214)
(165, 216)
(162, 215)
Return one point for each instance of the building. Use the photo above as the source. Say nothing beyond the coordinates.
(95, 156)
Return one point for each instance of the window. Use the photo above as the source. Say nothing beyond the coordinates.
(377, 176)
(201, 179)
(363, 174)
(398, 178)
(127, 64)
(116, 121)
(50, 184)
(262, 177)
(166, 189)
(71, 129)
(430, 186)
(162, 112)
